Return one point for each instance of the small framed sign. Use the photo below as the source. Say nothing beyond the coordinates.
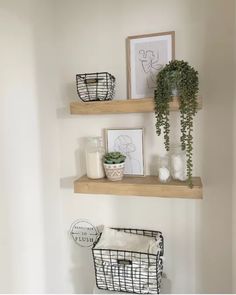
(83, 233)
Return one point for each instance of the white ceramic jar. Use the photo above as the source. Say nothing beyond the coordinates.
(94, 158)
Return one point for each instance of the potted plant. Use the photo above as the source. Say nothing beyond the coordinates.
(114, 164)
(177, 77)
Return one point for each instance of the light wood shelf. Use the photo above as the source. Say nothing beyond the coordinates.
(139, 186)
(144, 105)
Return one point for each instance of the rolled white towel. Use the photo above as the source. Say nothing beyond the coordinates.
(164, 174)
(180, 175)
(177, 163)
(154, 246)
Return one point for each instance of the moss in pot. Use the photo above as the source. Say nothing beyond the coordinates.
(114, 164)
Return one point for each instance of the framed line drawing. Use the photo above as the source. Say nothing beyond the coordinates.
(146, 56)
(128, 141)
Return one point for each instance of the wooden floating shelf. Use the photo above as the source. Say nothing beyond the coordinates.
(139, 186)
(144, 105)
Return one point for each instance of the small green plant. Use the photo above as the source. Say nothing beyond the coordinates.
(114, 158)
(180, 76)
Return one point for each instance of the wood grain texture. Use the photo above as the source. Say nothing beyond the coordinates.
(143, 105)
(139, 186)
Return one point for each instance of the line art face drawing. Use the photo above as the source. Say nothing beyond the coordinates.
(150, 66)
(125, 145)
(128, 141)
(146, 57)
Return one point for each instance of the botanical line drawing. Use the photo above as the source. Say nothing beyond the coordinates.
(125, 145)
(150, 65)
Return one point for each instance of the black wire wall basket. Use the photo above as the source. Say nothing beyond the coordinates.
(129, 271)
(95, 86)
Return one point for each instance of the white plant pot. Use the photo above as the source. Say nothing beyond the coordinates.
(114, 172)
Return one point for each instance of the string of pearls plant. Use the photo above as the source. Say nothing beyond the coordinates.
(181, 77)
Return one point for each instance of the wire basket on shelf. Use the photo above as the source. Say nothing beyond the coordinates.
(95, 86)
(129, 271)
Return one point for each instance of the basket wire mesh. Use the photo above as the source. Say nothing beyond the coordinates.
(95, 86)
(129, 271)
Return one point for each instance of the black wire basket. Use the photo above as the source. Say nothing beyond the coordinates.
(129, 271)
(95, 86)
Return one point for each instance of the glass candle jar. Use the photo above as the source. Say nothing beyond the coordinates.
(163, 169)
(178, 163)
(94, 158)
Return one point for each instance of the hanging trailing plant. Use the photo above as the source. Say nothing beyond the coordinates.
(177, 77)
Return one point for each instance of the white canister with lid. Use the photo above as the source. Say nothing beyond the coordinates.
(163, 168)
(178, 163)
(94, 158)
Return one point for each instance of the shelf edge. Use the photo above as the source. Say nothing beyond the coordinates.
(145, 105)
(139, 187)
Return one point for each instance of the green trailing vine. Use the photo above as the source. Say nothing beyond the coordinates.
(181, 76)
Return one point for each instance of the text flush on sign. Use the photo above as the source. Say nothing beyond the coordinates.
(84, 233)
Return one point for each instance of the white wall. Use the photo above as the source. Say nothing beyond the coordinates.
(43, 45)
(30, 229)
(91, 37)
(21, 207)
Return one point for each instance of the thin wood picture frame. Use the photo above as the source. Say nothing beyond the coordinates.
(146, 56)
(130, 142)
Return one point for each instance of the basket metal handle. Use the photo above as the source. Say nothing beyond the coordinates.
(92, 80)
(124, 262)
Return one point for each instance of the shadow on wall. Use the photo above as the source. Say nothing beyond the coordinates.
(165, 285)
(217, 152)
(67, 182)
(81, 270)
(69, 95)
